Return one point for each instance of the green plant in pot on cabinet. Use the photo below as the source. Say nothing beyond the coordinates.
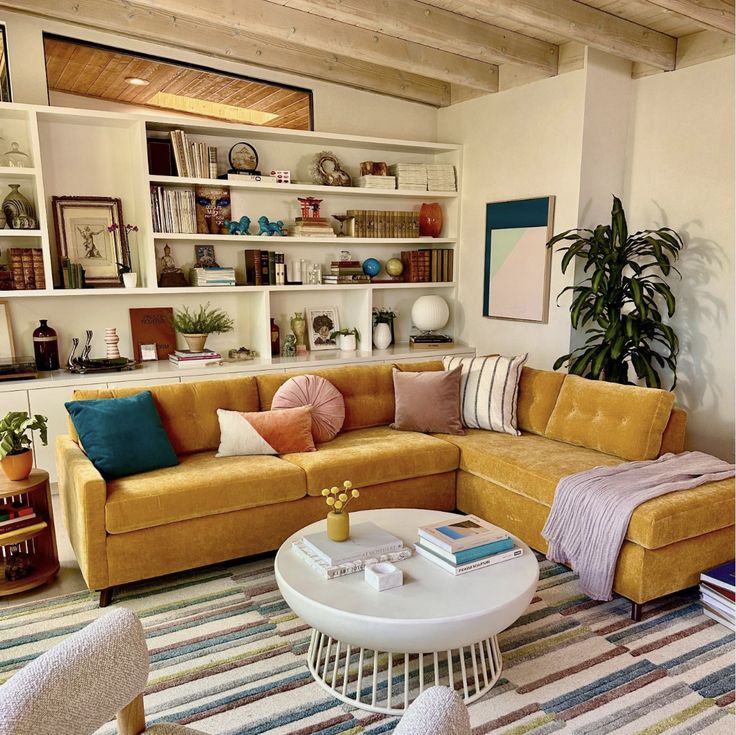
(196, 326)
(620, 301)
(16, 456)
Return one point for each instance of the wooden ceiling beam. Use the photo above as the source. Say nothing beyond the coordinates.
(576, 21)
(714, 15)
(152, 24)
(281, 24)
(417, 22)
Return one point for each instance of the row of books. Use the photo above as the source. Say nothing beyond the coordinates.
(174, 209)
(72, 274)
(212, 276)
(718, 594)
(25, 266)
(464, 545)
(193, 158)
(433, 265)
(16, 515)
(424, 176)
(188, 359)
(346, 271)
(263, 268)
(384, 223)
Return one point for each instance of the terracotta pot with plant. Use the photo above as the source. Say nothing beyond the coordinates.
(16, 456)
(196, 326)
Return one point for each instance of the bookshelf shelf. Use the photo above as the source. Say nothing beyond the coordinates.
(17, 172)
(411, 241)
(20, 233)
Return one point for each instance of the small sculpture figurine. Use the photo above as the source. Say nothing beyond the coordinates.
(310, 206)
(289, 347)
(242, 353)
(240, 227)
(270, 228)
(111, 343)
(170, 276)
(298, 325)
(18, 565)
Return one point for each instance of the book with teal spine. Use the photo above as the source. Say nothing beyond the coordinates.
(467, 555)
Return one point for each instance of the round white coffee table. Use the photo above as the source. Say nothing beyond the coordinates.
(379, 650)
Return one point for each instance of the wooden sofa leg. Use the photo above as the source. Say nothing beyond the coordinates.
(105, 597)
(636, 611)
(131, 719)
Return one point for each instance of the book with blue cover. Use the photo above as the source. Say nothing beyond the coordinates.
(724, 575)
(467, 532)
(467, 555)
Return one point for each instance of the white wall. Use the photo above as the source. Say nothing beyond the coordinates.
(681, 175)
(524, 142)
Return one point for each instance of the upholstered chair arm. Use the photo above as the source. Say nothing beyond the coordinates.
(80, 684)
(83, 494)
(436, 711)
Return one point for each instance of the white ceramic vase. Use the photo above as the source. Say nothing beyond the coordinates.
(130, 280)
(348, 343)
(381, 336)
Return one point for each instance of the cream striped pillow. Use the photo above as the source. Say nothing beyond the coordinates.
(489, 389)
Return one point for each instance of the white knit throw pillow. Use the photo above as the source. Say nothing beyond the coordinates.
(489, 390)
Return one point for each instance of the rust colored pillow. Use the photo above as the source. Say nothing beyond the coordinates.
(428, 401)
(265, 432)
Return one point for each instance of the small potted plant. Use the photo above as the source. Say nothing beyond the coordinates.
(196, 326)
(349, 338)
(383, 327)
(338, 520)
(16, 456)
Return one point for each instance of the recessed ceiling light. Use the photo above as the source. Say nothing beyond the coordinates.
(137, 81)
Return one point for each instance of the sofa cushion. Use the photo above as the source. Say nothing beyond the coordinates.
(189, 410)
(372, 456)
(244, 433)
(200, 485)
(624, 420)
(538, 391)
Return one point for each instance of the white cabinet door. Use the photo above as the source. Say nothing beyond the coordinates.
(50, 403)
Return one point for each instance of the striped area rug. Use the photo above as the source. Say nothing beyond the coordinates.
(227, 656)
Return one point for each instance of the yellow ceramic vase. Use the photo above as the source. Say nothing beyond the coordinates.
(338, 526)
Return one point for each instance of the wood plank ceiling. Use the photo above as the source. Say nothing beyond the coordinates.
(431, 51)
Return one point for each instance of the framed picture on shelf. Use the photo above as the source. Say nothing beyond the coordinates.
(320, 323)
(205, 255)
(84, 238)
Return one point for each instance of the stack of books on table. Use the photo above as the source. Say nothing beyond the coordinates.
(368, 544)
(411, 176)
(346, 271)
(718, 594)
(215, 276)
(189, 359)
(16, 515)
(465, 544)
(376, 182)
(441, 177)
(313, 227)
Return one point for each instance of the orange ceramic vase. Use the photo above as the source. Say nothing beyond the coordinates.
(18, 466)
(430, 220)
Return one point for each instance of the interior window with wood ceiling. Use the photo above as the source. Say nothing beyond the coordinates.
(86, 75)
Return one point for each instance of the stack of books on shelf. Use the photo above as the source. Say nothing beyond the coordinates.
(718, 594)
(466, 544)
(16, 515)
(263, 268)
(193, 158)
(441, 177)
(411, 176)
(173, 210)
(346, 271)
(189, 359)
(26, 268)
(384, 223)
(13, 368)
(427, 265)
(313, 227)
(430, 340)
(213, 276)
(376, 182)
(368, 544)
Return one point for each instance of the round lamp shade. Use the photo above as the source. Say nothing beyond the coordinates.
(371, 267)
(429, 313)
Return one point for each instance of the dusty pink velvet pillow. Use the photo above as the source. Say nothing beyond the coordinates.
(428, 401)
(328, 406)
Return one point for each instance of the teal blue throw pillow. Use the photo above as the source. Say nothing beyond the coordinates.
(122, 436)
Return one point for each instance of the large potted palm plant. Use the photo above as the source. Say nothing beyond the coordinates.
(619, 303)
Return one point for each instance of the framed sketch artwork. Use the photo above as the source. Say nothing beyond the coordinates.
(517, 259)
(320, 323)
(83, 237)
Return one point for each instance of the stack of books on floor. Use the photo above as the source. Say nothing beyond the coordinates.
(368, 544)
(346, 271)
(411, 176)
(313, 227)
(441, 177)
(376, 182)
(16, 515)
(718, 594)
(466, 544)
(189, 359)
(215, 276)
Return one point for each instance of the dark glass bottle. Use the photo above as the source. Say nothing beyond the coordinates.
(275, 339)
(45, 347)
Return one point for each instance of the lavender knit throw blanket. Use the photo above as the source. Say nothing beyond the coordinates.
(591, 510)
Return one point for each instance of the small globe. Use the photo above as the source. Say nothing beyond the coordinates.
(394, 267)
(371, 267)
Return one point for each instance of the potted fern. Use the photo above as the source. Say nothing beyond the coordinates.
(620, 303)
(196, 326)
(16, 457)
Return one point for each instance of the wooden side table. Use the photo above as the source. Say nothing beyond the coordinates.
(37, 540)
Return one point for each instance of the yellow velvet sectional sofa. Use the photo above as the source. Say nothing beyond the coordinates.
(208, 509)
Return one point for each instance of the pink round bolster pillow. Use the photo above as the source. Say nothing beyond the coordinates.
(328, 406)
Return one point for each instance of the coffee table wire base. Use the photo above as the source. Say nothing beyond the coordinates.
(389, 682)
